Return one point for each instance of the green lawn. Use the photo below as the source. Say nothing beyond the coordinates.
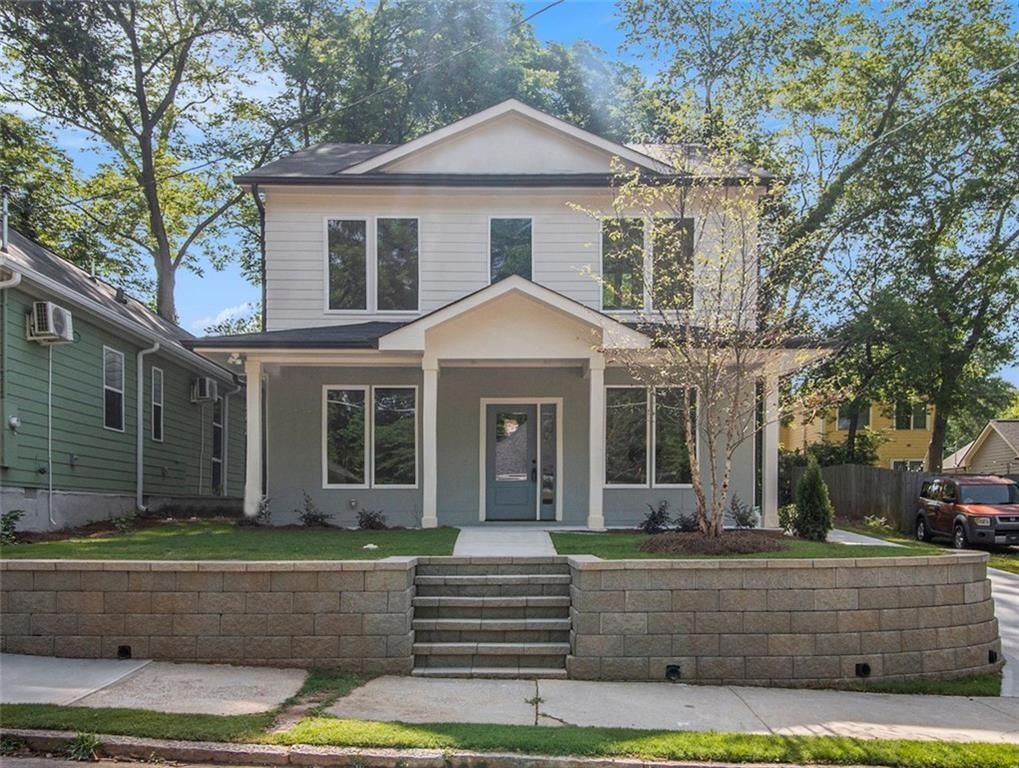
(1002, 559)
(568, 740)
(974, 685)
(218, 540)
(624, 546)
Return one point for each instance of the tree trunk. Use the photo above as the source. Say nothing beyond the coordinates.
(936, 447)
(166, 281)
(854, 420)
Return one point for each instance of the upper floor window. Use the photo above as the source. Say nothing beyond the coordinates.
(910, 416)
(379, 276)
(646, 274)
(113, 389)
(509, 248)
(348, 263)
(844, 418)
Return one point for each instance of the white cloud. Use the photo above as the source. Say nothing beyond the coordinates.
(199, 325)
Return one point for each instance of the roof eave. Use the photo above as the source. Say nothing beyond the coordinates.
(481, 180)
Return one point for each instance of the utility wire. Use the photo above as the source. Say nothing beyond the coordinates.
(304, 123)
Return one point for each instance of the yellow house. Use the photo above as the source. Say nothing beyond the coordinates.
(906, 428)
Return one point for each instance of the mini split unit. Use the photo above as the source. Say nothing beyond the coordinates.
(48, 323)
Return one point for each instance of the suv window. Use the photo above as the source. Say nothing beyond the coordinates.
(948, 492)
(990, 494)
(931, 490)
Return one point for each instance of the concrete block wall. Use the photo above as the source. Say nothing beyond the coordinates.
(782, 622)
(354, 615)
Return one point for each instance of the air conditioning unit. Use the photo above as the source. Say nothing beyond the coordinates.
(49, 324)
(204, 389)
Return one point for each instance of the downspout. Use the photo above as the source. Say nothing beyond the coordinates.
(139, 453)
(261, 243)
(226, 434)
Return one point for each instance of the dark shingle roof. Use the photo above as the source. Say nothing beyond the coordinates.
(355, 336)
(320, 160)
(29, 254)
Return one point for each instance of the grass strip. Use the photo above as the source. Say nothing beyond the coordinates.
(649, 745)
(1002, 559)
(218, 540)
(975, 685)
(136, 722)
(626, 546)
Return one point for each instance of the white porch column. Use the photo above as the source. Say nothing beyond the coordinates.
(253, 456)
(769, 476)
(596, 444)
(429, 442)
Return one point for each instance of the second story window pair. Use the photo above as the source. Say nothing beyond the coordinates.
(647, 264)
(373, 264)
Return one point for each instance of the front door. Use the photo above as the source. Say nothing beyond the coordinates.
(511, 483)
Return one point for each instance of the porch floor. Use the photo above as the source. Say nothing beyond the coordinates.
(503, 541)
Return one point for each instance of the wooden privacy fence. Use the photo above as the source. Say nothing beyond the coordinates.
(857, 491)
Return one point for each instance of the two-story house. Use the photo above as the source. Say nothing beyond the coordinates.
(438, 346)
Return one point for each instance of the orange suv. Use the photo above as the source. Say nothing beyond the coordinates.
(973, 510)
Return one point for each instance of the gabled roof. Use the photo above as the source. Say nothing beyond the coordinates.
(956, 460)
(1006, 429)
(73, 285)
(322, 159)
(411, 335)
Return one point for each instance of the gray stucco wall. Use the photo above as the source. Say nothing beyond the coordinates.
(294, 440)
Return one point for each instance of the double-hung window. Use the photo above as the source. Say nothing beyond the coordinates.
(372, 264)
(509, 248)
(845, 417)
(647, 273)
(910, 416)
(157, 404)
(369, 436)
(645, 437)
(113, 389)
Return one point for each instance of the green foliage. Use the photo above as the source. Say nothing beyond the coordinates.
(8, 525)
(371, 520)
(125, 523)
(310, 515)
(877, 523)
(990, 397)
(657, 518)
(814, 513)
(84, 747)
(743, 515)
(787, 517)
(10, 745)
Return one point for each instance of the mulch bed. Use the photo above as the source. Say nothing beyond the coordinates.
(729, 543)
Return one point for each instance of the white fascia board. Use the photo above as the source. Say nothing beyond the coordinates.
(171, 348)
(506, 107)
(615, 334)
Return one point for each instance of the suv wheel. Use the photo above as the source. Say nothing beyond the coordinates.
(922, 533)
(959, 538)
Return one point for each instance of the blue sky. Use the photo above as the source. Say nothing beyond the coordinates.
(216, 295)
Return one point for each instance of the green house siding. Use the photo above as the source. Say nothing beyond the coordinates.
(87, 456)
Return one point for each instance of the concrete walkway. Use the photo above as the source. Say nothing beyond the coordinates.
(848, 537)
(684, 707)
(212, 689)
(503, 541)
(1005, 591)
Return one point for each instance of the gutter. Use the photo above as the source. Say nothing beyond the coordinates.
(139, 453)
(475, 180)
(255, 193)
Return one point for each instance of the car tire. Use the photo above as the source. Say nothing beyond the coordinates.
(923, 533)
(959, 540)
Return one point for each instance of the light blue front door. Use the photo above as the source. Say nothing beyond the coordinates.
(511, 483)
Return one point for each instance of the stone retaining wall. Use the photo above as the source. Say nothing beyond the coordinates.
(356, 615)
(782, 622)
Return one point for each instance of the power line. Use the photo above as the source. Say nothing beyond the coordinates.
(305, 123)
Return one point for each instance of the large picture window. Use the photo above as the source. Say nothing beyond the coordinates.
(397, 256)
(622, 248)
(348, 264)
(672, 264)
(509, 248)
(646, 433)
(113, 389)
(626, 435)
(369, 436)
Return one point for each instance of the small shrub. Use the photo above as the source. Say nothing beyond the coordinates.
(263, 515)
(125, 523)
(8, 522)
(743, 515)
(10, 745)
(83, 747)
(686, 522)
(814, 513)
(310, 515)
(656, 520)
(787, 517)
(877, 523)
(371, 520)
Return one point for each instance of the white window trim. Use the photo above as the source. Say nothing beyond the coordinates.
(396, 486)
(912, 419)
(488, 234)
(694, 464)
(647, 437)
(907, 462)
(105, 386)
(153, 404)
(647, 225)
(369, 441)
(371, 265)
(222, 445)
(375, 258)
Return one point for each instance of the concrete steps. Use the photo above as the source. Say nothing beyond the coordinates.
(499, 619)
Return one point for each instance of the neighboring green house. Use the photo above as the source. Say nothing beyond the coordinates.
(72, 351)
